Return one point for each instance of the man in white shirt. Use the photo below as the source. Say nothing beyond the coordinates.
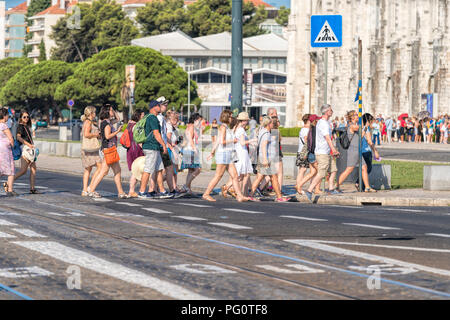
(325, 152)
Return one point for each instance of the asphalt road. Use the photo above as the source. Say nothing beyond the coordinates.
(58, 245)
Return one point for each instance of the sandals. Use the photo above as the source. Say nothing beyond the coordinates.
(208, 198)
(253, 199)
(132, 195)
(94, 194)
(283, 199)
(34, 191)
(224, 191)
(5, 186)
(243, 199)
(84, 194)
(370, 190)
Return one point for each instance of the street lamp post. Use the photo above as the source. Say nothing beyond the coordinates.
(189, 69)
(236, 55)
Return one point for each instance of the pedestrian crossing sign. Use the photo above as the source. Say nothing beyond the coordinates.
(326, 31)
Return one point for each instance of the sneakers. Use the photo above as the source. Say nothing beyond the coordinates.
(143, 195)
(177, 194)
(258, 193)
(335, 192)
(309, 196)
(165, 195)
(11, 194)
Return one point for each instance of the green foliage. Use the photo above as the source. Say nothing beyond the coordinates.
(10, 66)
(42, 54)
(102, 25)
(37, 6)
(204, 17)
(283, 16)
(98, 80)
(289, 132)
(35, 85)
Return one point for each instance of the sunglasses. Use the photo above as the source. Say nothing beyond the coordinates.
(25, 117)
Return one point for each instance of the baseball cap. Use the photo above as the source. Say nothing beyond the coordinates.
(153, 104)
(313, 117)
(162, 100)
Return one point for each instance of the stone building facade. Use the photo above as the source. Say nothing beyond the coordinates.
(406, 54)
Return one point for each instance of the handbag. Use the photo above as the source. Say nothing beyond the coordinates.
(303, 154)
(90, 144)
(111, 155)
(28, 153)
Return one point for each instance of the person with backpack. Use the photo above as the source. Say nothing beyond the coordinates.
(29, 152)
(6, 156)
(152, 149)
(108, 116)
(306, 159)
(325, 153)
(90, 147)
(134, 150)
(349, 141)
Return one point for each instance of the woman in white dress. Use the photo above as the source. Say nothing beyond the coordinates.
(243, 165)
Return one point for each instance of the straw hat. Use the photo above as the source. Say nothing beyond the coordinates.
(137, 168)
(243, 116)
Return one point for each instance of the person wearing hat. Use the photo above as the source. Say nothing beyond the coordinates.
(152, 150)
(243, 165)
(310, 162)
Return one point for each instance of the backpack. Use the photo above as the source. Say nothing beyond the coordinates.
(311, 139)
(139, 130)
(125, 139)
(344, 140)
(303, 154)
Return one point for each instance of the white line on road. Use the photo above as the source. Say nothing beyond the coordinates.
(383, 246)
(29, 233)
(114, 214)
(76, 214)
(406, 210)
(130, 204)
(6, 235)
(24, 272)
(371, 226)
(190, 218)
(101, 199)
(298, 269)
(88, 261)
(57, 214)
(156, 210)
(6, 223)
(9, 214)
(366, 256)
(228, 225)
(438, 235)
(195, 205)
(242, 211)
(303, 218)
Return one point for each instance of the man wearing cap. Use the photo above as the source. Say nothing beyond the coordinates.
(152, 150)
(324, 151)
(167, 162)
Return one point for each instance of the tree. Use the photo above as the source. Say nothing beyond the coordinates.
(42, 54)
(283, 16)
(10, 66)
(203, 17)
(100, 79)
(102, 25)
(34, 86)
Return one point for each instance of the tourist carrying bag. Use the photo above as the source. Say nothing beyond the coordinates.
(111, 155)
(303, 154)
(90, 144)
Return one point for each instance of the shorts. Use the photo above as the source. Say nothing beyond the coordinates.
(326, 164)
(153, 161)
(311, 158)
(167, 162)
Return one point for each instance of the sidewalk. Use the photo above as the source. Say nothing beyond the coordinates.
(404, 197)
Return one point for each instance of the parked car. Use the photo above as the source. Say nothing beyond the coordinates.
(41, 124)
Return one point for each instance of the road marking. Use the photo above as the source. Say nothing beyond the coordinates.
(149, 199)
(242, 211)
(385, 269)
(303, 218)
(88, 261)
(6, 235)
(57, 214)
(201, 269)
(6, 223)
(407, 210)
(156, 210)
(190, 218)
(76, 214)
(40, 187)
(228, 225)
(114, 214)
(195, 205)
(371, 226)
(367, 256)
(26, 272)
(438, 235)
(9, 214)
(299, 269)
(382, 246)
(29, 233)
(101, 199)
(130, 204)
(352, 207)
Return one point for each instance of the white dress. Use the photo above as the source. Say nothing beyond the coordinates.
(224, 152)
(244, 165)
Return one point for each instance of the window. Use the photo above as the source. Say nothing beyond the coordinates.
(257, 78)
(280, 79)
(217, 78)
(268, 78)
(201, 78)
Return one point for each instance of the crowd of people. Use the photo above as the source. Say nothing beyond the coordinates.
(403, 129)
(250, 154)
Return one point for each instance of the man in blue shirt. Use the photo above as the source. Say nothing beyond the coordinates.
(152, 147)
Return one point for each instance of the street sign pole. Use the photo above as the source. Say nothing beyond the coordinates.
(236, 56)
(360, 112)
(326, 76)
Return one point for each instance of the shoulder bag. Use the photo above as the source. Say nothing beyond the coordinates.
(90, 144)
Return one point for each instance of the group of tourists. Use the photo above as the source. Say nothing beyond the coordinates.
(405, 129)
(16, 142)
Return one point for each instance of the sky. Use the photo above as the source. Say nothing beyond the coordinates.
(279, 3)
(13, 3)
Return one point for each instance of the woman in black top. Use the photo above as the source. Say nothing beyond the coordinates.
(24, 136)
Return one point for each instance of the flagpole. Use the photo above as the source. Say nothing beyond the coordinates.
(360, 112)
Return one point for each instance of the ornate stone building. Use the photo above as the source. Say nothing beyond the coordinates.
(405, 56)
